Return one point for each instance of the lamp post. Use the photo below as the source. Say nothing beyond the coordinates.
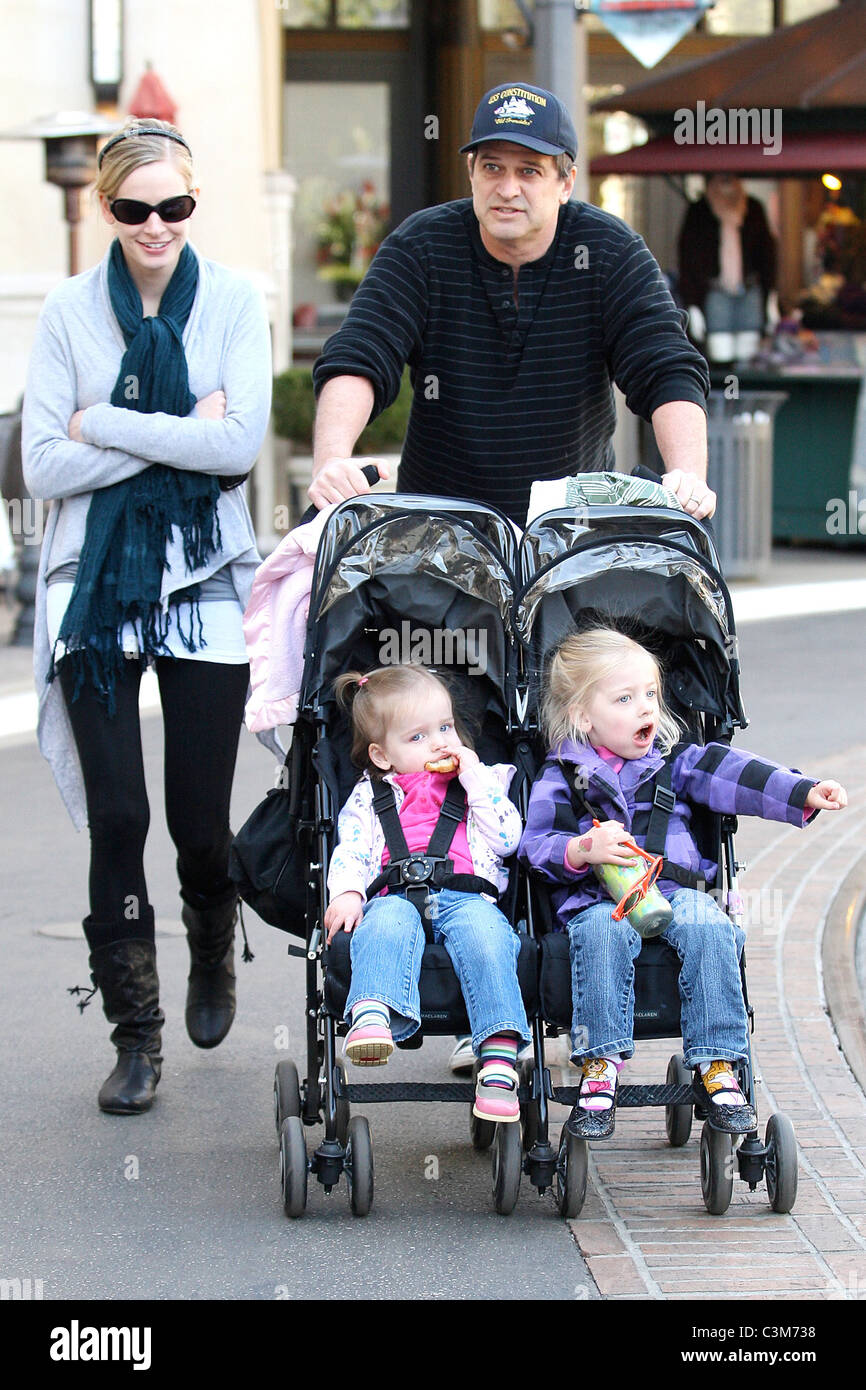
(70, 139)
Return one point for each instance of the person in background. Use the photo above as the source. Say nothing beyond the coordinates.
(727, 267)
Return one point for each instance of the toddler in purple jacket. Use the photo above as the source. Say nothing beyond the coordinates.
(609, 733)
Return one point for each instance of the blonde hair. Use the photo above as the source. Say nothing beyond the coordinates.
(373, 701)
(578, 666)
(136, 149)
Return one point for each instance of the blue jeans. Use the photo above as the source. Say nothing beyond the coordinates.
(386, 949)
(739, 312)
(603, 952)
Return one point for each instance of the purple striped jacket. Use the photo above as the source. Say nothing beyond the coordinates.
(727, 780)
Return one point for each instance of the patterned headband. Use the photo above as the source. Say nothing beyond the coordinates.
(137, 130)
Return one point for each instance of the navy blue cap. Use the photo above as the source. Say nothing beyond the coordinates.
(523, 115)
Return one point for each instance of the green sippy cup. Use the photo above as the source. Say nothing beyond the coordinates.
(632, 887)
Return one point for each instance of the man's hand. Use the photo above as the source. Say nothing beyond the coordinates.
(698, 500)
(827, 796)
(601, 845)
(75, 427)
(339, 479)
(344, 913)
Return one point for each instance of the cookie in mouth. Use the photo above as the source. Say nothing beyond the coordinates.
(448, 764)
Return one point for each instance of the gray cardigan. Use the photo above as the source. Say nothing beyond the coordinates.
(74, 365)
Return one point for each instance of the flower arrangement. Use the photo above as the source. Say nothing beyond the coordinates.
(348, 236)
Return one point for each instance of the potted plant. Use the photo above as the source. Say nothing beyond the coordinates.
(348, 237)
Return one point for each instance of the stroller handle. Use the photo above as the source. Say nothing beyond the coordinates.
(370, 472)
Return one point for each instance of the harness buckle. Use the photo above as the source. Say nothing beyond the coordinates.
(417, 870)
(664, 798)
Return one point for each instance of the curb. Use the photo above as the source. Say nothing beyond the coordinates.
(838, 965)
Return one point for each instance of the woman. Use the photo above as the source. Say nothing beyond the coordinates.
(147, 401)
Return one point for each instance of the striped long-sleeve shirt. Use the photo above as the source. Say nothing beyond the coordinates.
(727, 780)
(507, 392)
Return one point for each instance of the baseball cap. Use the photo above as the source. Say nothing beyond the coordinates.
(523, 115)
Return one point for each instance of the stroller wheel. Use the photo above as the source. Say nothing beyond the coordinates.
(529, 1110)
(359, 1166)
(507, 1162)
(781, 1163)
(678, 1118)
(293, 1166)
(571, 1169)
(481, 1132)
(287, 1092)
(717, 1169)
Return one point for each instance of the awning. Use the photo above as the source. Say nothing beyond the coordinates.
(814, 66)
(800, 153)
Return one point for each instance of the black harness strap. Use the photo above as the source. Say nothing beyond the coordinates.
(413, 875)
(663, 804)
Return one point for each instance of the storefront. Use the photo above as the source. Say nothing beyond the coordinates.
(788, 110)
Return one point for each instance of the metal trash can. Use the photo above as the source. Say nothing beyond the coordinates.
(740, 472)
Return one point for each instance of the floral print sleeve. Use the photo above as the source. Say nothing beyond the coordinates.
(352, 866)
(496, 818)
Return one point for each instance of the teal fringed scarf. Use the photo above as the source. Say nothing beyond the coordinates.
(129, 524)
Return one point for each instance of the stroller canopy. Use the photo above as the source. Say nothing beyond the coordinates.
(652, 572)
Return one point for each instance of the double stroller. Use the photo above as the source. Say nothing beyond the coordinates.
(452, 585)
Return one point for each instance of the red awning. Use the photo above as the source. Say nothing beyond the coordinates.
(805, 153)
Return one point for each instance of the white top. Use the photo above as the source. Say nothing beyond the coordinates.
(74, 366)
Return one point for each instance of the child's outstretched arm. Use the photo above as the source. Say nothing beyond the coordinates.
(734, 782)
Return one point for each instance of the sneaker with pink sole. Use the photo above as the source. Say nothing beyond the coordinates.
(368, 1045)
(496, 1094)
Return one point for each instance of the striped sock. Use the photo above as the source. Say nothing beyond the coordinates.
(501, 1051)
(369, 1012)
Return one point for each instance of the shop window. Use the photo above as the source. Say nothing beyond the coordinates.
(344, 14)
(336, 139)
(796, 10)
(739, 17)
(501, 14)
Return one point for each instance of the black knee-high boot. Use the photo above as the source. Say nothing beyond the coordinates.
(124, 971)
(211, 996)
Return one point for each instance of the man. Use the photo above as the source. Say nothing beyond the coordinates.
(515, 310)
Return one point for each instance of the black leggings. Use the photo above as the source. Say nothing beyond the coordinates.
(202, 705)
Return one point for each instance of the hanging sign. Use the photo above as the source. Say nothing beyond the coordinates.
(649, 29)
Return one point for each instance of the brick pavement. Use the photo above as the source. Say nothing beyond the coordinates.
(644, 1231)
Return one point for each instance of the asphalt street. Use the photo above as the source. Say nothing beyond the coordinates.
(184, 1203)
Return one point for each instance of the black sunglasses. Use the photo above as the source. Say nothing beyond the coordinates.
(132, 213)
